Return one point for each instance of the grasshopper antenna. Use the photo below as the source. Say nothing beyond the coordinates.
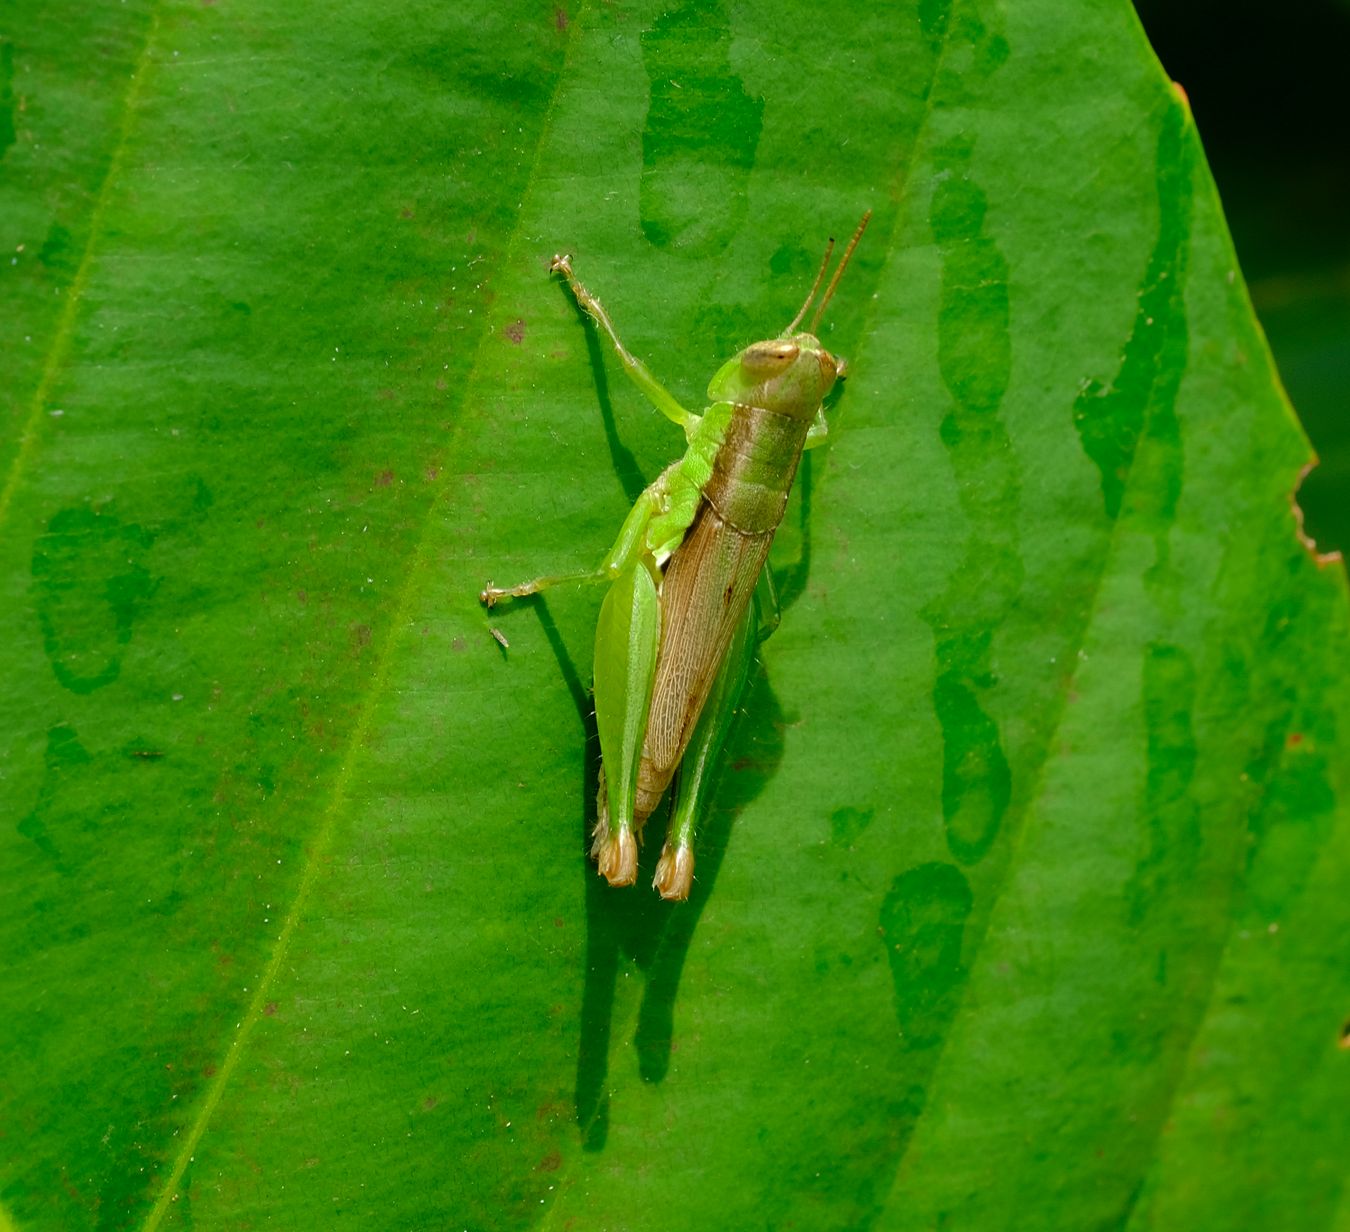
(838, 274)
(815, 286)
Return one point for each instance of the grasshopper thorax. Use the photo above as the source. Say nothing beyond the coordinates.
(789, 375)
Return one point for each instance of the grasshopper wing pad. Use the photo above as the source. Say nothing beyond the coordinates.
(707, 587)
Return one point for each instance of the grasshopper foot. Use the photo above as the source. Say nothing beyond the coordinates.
(616, 854)
(489, 595)
(675, 873)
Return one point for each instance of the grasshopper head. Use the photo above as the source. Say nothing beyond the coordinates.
(790, 374)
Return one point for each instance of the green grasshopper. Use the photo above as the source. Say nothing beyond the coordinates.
(689, 595)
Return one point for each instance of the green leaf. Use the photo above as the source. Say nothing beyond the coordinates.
(1024, 905)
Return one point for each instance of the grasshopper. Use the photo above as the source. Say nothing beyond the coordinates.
(689, 596)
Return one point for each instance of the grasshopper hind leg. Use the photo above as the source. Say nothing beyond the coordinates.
(626, 641)
(614, 850)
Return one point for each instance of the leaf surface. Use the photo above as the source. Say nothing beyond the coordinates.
(1024, 902)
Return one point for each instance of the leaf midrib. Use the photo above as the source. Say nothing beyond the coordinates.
(59, 347)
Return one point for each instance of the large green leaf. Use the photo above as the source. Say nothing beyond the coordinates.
(1025, 903)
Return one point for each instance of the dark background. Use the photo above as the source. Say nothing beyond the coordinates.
(1269, 85)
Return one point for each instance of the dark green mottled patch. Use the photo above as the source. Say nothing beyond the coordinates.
(64, 751)
(923, 923)
(1171, 817)
(976, 780)
(975, 359)
(1110, 416)
(702, 131)
(848, 824)
(58, 253)
(1288, 832)
(89, 584)
(7, 131)
(933, 18)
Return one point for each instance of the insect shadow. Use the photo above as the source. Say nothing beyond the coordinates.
(635, 925)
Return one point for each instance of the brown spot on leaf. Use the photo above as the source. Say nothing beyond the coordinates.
(550, 1163)
(560, 19)
(384, 478)
(516, 331)
(270, 1009)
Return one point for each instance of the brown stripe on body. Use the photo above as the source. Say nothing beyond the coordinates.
(709, 581)
(755, 467)
(707, 587)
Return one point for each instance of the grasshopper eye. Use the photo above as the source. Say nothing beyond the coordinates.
(765, 359)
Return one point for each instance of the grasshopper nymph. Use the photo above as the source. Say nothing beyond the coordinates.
(689, 595)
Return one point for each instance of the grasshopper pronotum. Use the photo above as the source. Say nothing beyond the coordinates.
(689, 594)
